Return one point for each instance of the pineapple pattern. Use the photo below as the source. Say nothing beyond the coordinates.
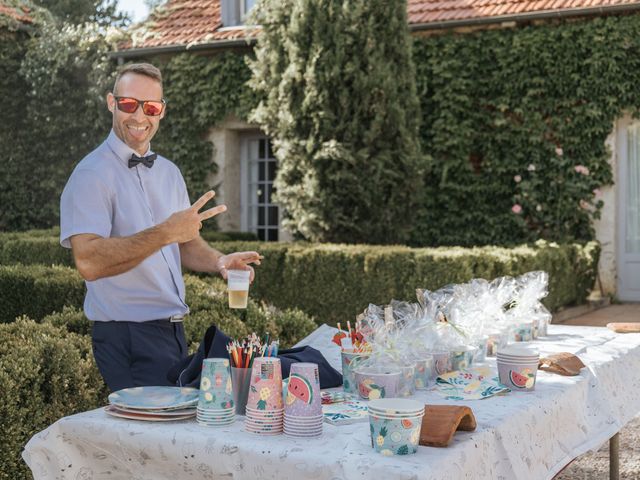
(380, 438)
(265, 394)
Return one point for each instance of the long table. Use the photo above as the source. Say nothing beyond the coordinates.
(519, 435)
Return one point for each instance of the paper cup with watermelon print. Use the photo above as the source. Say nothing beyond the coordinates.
(350, 361)
(374, 383)
(425, 374)
(517, 368)
(265, 387)
(303, 391)
(395, 425)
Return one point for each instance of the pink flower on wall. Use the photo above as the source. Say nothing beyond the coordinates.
(581, 169)
(559, 151)
(516, 209)
(517, 179)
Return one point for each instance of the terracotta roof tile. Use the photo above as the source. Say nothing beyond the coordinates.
(20, 14)
(189, 22)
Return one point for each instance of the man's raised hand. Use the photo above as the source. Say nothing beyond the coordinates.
(184, 226)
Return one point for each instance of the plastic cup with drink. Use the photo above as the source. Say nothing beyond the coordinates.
(238, 288)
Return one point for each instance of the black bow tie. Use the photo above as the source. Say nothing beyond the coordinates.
(146, 161)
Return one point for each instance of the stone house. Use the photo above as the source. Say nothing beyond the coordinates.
(247, 166)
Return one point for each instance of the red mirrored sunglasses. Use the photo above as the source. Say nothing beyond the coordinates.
(152, 108)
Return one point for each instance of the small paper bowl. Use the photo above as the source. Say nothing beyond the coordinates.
(395, 436)
(373, 385)
(519, 377)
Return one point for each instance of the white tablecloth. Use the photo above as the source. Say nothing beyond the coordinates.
(519, 435)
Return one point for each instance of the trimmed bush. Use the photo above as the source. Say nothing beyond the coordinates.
(71, 318)
(46, 373)
(55, 295)
(37, 290)
(334, 283)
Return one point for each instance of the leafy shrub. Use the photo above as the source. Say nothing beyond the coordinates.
(37, 290)
(46, 373)
(333, 283)
(71, 318)
(329, 282)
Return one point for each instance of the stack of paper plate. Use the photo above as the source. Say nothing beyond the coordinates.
(155, 404)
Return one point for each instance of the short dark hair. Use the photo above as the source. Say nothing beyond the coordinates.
(145, 69)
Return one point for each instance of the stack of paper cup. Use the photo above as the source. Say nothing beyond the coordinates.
(265, 410)
(517, 367)
(303, 405)
(215, 403)
(395, 425)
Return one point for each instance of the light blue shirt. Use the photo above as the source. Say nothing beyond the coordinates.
(105, 197)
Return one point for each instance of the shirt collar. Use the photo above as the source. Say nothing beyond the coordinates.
(121, 149)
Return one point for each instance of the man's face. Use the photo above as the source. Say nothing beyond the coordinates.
(135, 129)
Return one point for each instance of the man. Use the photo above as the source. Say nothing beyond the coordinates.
(126, 215)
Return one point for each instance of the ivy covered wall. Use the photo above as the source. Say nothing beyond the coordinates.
(514, 124)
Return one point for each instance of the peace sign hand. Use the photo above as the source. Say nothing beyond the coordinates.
(184, 226)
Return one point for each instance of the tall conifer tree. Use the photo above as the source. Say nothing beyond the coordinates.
(339, 101)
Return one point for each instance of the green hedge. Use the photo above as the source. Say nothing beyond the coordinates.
(38, 291)
(336, 282)
(46, 373)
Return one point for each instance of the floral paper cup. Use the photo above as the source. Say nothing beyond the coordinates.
(377, 384)
(216, 389)
(350, 360)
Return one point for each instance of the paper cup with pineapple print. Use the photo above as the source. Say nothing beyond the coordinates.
(393, 433)
(373, 384)
(350, 361)
(303, 391)
(265, 388)
(216, 389)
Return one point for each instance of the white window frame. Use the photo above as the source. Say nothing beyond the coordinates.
(245, 190)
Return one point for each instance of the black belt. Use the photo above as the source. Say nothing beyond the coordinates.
(171, 319)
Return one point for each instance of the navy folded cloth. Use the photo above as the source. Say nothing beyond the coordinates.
(186, 373)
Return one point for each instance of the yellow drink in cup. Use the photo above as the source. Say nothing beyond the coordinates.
(238, 288)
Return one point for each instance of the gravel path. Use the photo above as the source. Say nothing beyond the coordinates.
(595, 466)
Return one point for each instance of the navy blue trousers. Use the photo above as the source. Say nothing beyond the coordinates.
(137, 354)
